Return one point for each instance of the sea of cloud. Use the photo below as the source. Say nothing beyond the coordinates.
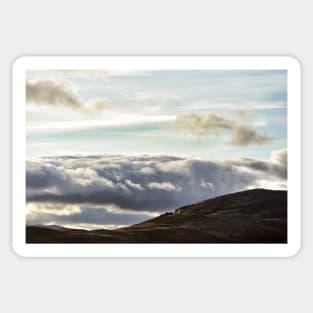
(122, 190)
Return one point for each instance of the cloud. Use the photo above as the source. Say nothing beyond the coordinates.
(280, 156)
(54, 92)
(73, 215)
(98, 105)
(90, 75)
(210, 125)
(141, 184)
(275, 168)
(201, 124)
(244, 135)
(67, 74)
(60, 93)
(167, 186)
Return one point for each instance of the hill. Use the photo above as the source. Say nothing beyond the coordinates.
(251, 216)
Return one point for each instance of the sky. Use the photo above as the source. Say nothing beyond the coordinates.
(108, 149)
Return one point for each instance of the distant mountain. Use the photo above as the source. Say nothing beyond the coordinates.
(251, 216)
(55, 227)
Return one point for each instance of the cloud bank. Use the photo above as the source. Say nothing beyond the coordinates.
(137, 185)
(241, 134)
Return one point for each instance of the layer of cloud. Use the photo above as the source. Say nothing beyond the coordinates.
(241, 134)
(121, 181)
(139, 184)
(60, 93)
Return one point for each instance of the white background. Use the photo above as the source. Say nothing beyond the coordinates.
(155, 28)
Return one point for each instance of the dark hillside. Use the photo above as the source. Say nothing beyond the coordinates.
(252, 216)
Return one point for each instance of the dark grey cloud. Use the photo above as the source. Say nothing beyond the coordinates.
(60, 93)
(41, 177)
(241, 133)
(143, 183)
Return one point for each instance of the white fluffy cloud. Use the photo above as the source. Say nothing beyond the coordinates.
(166, 186)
